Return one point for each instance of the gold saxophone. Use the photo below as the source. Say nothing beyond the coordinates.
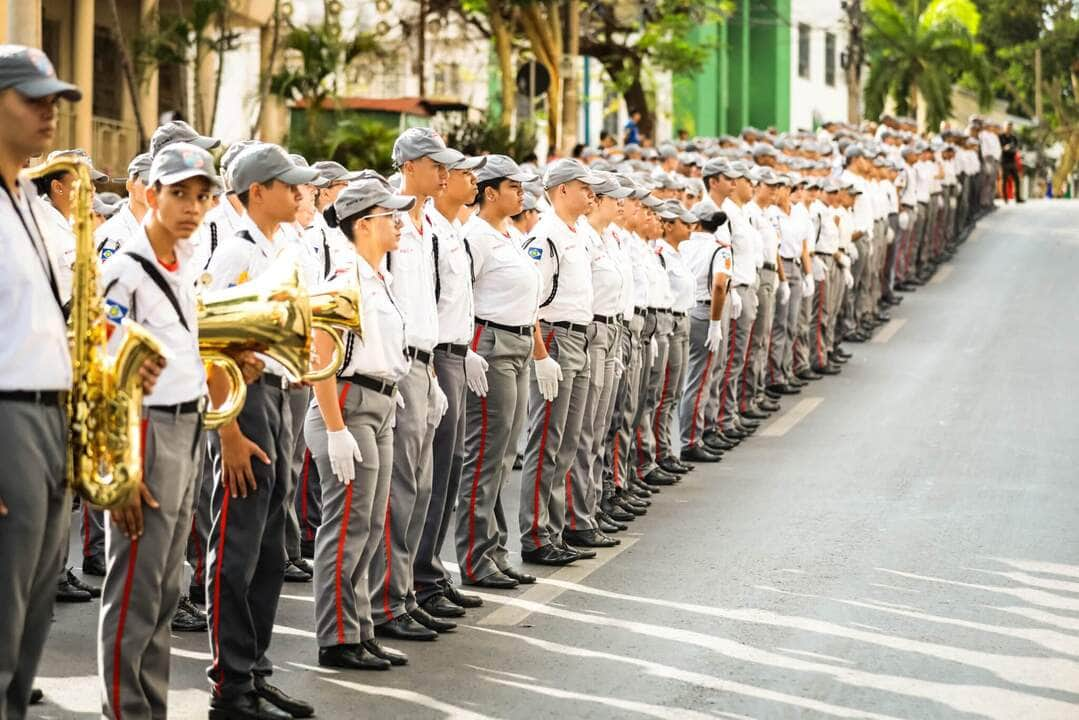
(104, 449)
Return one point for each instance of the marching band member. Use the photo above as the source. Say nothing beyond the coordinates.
(350, 431)
(125, 223)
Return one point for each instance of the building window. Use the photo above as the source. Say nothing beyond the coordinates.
(803, 51)
(108, 96)
(829, 58)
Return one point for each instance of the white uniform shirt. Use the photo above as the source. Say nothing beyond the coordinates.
(130, 292)
(706, 256)
(827, 238)
(62, 237)
(572, 296)
(453, 286)
(507, 287)
(112, 234)
(322, 242)
(34, 354)
(862, 214)
(924, 171)
(891, 196)
(990, 145)
(846, 228)
(804, 228)
(679, 276)
(743, 244)
(413, 267)
(222, 222)
(614, 238)
(381, 354)
(908, 186)
(766, 230)
(791, 232)
(608, 293)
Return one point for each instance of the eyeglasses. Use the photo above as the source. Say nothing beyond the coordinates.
(397, 215)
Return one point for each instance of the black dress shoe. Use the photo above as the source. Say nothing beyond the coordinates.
(464, 600)
(770, 406)
(716, 447)
(76, 582)
(606, 526)
(404, 627)
(634, 504)
(826, 370)
(395, 657)
(522, 577)
(856, 337)
(797, 383)
(440, 606)
(307, 549)
(351, 657)
(843, 353)
(183, 620)
(753, 414)
(698, 454)
(495, 581)
(304, 565)
(783, 389)
(293, 706)
(669, 464)
(197, 593)
(769, 392)
(294, 574)
(605, 517)
(588, 539)
(616, 513)
(809, 375)
(249, 706)
(735, 433)
(66, 592)
(581, 553)
(838, 360)
(94, 565)
(432, 623)
(37, 695)
(719, 440)
(661, 477)
(642, 490)
(550, 555)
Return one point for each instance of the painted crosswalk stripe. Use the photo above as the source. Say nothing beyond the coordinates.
(782, 424)
(889, 331)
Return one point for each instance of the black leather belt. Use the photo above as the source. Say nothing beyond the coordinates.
(37, 397)
(769, 266)
(515, 329)
(416, 354)
(276, 381)
(385, 387)
(678, 313)
(640, 312)
(742, 285)
(452, 349)
(572, 327)
(823, 254)
(607, 319)
(184, 408)
(663, 311)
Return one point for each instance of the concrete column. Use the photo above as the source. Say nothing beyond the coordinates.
(3, 21)
(148, 87)
(23, 20)
(83, 75)
(273, 125)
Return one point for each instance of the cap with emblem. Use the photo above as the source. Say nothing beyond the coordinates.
(79, 155)
(300, 161)
(499, 167)
(365, 194)
(567, 170)
(265, 163)
(418, 142)
(181, 161)
(332, 172)
(179, 131)
(30, 72)
(610, 187)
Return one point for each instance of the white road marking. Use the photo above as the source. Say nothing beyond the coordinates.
(1034, 581)
(782, 424)
(191, 654)
(544, 591)
(301, 598)
(1034, 597)
(895, 587)
(515, 676)
(817, 656)
(942, 275)
(640, 708)
(452, 712)
(889, 331)
(286, 630)
(1041, 567)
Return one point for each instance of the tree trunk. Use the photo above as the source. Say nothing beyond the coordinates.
(571, 94)
(129, 73)
(267, 71)
(500, 31)
(222, 46)
(547, 47)
(421, 55)
(637, 101)
(1067, 163)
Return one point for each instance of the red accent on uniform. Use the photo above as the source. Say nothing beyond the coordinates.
(217, 588)
(639, 458)
(200, 557)
(569, 501)
(85, 530)
(338, 569)
(539, 460)
(727, 370)
(658, 420)
(172, 266)
(616, 463)
(746, 371)
(820, 324)
(305, 474)
(476, 337)
(469, 570)
(697, 400)
(388, 542)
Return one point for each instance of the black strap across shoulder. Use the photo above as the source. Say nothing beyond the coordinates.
(557, 268)
(162, 285)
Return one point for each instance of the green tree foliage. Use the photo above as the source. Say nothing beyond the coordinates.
(917, 52)
(490, 136)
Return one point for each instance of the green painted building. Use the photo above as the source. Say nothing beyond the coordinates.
(746, 78)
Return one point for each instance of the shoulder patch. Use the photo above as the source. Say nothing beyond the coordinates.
(107, 253)
(535, 253)
(114, 311)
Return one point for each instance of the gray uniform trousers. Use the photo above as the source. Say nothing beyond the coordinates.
(699, 390)
(612, 368)
(390, 578)
(353, 515)
(784, 327)
(202, 519)
(714, 391)
(674, 382)
(32, 485)
(803, 336)
(736, 358)
(586, 475)
(837, 291)
(492, 426)
(760, 336)
(144, 578)
(447, 455)
(849, 317)
(245, 559)
(299, 399)
(625, 407)
(308, 504)
(91, 535)
(553, 431)
(823, 310)
(651, 388)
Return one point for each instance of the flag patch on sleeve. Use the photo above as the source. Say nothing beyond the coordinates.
(114, 311)
(535, 253)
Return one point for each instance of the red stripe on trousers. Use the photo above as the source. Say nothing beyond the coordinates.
(305, 474)
(569, 501)
(657, 422)
(727, 369)
(617, 464)
(697, 400)
(338, 569)
(640, 459)
(539, 460)
(387, 535)
(746, 369)
(199, 556)
(217, 588)
(469, 570)
(85, 530)
(820, 323)
(125, 600)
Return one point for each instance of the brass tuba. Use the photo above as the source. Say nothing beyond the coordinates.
(104, 449)
(336, 307)
(270, 315)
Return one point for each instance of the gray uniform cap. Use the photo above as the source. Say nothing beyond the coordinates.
(79, 155)
(30, 72)
(468, 163)
(140, 167)
(180, 161)
(610, 187)
(333, 172)
(416, 143)
(567, 170)
(370, 192)
(179, 131)
(264, 163)
(500, 167)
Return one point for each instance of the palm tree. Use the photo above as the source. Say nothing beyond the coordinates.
(916, 54)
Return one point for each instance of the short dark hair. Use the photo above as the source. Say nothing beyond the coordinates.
(44, 183)
(495, 183)
(244, 197)
(521, 215)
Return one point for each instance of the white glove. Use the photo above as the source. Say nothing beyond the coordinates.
(853, 252)
(619, 365)
(548, 375)
(953, 203)
(819, 270)
(783, 293)
(438, 406)
(848, 279)
(476, 373)
(344, 454)
(844, 260)
(653, 348)
(890, 234)
(808, 286)
(715, 335)
(736, 305)
(904, 220)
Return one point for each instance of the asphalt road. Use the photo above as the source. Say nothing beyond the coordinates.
(900, 542)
